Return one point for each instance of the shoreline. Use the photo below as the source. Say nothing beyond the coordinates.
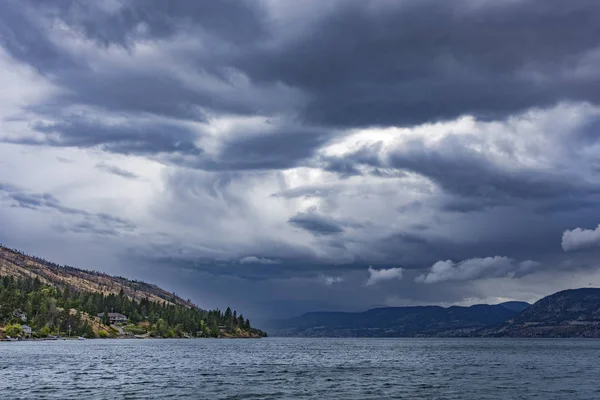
(123, 337)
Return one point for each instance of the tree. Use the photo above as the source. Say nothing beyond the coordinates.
(105, 319)
(48, 311)
(89, 332)
(44, 332)
(13, 330)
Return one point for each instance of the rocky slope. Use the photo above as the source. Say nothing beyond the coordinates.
(17, 264)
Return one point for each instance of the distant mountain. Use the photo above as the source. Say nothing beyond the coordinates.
(570, 313)
(396, 322)
(516, 306)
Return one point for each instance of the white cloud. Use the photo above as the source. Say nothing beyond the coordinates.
(330, 280)
(580, 238)
(258, 260)
(380, 275)
(477, 268)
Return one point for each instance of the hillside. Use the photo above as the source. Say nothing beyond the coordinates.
(41, 299)
(395, 322)
(570, 313)
(517, 306)
(17, 264)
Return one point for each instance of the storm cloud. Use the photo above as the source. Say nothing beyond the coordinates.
(296, 156)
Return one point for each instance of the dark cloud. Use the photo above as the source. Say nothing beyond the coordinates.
(277, 147)
(29, 34)
(399, 63)
(467, 205)
(348, 166)
(232, 21)
(113, 169)
(22, 33)
(317, 224)
(131, 91)
(125, 138)
(459, 169)
(98, 223)
(252, 107)
(362, 64)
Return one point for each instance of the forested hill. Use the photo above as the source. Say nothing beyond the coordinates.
(17, 264)
(54, 300)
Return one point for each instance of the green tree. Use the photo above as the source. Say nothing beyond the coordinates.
(13, 330)
(44, 332)
(105, 319)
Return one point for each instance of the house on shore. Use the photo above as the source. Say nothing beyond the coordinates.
(27, 331)
(113, 318)
(224, 329)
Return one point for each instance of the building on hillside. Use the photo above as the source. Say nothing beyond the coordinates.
(114, 317)
(224, 329)
(26, 330)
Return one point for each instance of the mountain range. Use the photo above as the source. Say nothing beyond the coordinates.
(398, 321)
(569, 313)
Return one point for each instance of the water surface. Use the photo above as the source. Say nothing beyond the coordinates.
(276, 368)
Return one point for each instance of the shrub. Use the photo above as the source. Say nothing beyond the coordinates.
(102, 333)
(13, 330)
(44, 332)
(136, 330)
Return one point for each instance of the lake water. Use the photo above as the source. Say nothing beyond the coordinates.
(276, 368)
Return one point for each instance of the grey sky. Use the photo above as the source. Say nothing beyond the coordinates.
(279, 155)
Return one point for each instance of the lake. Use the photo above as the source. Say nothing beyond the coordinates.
(280, 368)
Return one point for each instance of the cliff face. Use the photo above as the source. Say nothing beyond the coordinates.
(570, 313)
(14, 263)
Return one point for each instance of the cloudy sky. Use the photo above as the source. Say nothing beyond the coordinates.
(283, 156)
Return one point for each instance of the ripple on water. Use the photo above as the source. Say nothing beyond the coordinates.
(301, 368)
